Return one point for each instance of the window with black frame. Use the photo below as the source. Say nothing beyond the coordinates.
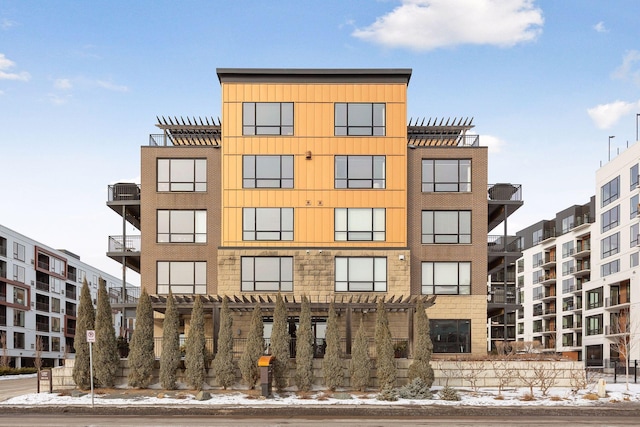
(360, 119)
(267, 171)
(451, 335)
(360, 172)
(267, 118)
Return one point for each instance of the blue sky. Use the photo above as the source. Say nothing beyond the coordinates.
(81, 84)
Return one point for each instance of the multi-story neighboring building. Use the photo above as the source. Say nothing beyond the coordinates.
(39, 296)
(551, 275)
(313, 184)
(579, 272)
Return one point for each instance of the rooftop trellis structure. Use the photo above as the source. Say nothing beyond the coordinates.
(189, 131)
(452, 133)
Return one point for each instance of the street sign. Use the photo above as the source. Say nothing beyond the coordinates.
(91, 336)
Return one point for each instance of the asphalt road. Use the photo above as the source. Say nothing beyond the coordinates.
(457, 421)
(17, 387)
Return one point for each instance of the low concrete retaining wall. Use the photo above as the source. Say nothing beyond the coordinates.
(456, 373)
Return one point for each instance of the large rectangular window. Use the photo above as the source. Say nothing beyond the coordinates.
(360, 224)
(610, 191)
(567, 249)
(178, 226)
(446, 227)
(633, 211)
(633, 176)
(18, 251)
(450, 336)
(266, 274)
(610, 268)
(634, 230)
(594, 324)
(182, 175)
(360, 172)
(361, 274)
(610, 245)
(360, 119)
(267, 171)
(267, 118)
(446, 175)
(610, 218)
(182, 277)
(267, 224)
(446, 278)
(18, 318)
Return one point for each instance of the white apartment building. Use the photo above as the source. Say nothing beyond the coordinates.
(578, 272)
(39, 296)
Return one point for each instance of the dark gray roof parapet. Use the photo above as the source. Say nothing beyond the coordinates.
(310, 75)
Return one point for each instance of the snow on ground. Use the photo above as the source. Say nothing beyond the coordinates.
(616, 393)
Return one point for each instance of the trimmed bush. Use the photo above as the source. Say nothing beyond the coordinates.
(223, 366)
(106, 359)
(170, 357)
(141, 355)
(195, 352)
(85, 322)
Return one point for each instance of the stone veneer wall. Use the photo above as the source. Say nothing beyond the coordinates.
(62, 376)
(314, 272)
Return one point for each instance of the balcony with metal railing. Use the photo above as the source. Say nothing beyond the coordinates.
(42, 286)
(616, 302)
(124, 199)
(127, 248)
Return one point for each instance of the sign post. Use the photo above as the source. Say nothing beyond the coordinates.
(91, 338)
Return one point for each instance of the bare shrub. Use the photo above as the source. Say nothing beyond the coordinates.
(504, 373)
(578, 379)
(547, 375)
(471, 371)
(446, 373)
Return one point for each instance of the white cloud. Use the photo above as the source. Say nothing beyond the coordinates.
(629, 69)
(62, 84)
(6, 64)
(112, 86)
(493, 143)
(5, 24)
(599, 27)
(606, 115)
(56, 99)
(430, 24)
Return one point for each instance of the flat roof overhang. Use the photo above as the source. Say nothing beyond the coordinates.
(314, 75)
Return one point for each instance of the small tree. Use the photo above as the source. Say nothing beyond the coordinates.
(106, 358)
(195, 354)
(170, 357)
(223, 366)
(37, 362)
(4, 360)
(423, 348)
(385, 363)
(141, 355)
(253, 349)
(280, 341)
(360, 366)
(504, 372)
(333, 371)
(304, 348)
(85, 322)
(625, 339)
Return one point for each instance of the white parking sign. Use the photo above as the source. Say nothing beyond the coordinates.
(91, 336)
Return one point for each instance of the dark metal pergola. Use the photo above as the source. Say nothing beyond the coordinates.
(344, 304)
(452, 133)
(181, 131)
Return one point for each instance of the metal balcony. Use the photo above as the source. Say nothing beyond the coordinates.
(124, 199)
(127, 247)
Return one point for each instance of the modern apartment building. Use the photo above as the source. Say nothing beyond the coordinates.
(39, 296)
(578, 272)
(312, 184)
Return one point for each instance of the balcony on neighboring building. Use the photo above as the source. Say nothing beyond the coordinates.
(124, 199)
(127, 247)
(502, 250)
(582, 249)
